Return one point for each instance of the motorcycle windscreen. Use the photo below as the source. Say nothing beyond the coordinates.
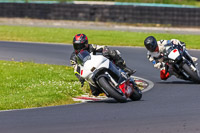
(168, 48)
(82, 57)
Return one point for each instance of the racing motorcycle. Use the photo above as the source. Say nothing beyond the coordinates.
(100, 72)
(177, 59)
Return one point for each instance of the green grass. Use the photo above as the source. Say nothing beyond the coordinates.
(27, 84)
(114, 38)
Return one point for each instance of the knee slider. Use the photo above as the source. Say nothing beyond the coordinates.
(164, 76)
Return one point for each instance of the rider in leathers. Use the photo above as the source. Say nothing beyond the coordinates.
(80, 42)
(155, 54)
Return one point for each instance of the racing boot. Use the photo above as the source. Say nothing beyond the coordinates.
(188, 56)
(129, 71)
(115, 56)
(194, 59)
(95, 91)
(121, 64)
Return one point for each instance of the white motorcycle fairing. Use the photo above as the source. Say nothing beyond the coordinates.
(174, 54)
(90, 64)
(96, 62)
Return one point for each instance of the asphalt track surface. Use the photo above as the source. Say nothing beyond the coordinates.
(172, 106)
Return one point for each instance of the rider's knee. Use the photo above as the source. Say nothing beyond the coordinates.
(163, 75)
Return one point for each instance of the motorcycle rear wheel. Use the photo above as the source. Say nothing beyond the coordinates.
(194, 76)
(136, 95)
(111, 90)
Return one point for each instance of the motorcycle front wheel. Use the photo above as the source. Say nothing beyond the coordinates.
(106, 85)
(193, 75)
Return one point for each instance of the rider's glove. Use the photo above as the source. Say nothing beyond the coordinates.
(154, 62)
(157, 65)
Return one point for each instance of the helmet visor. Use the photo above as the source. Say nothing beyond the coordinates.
(151, 48)
(78, 46)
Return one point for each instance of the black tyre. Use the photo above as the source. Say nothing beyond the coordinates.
(136, 95)
(106, 85)
(193, 75)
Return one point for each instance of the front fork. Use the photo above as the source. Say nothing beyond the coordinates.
(181, 71)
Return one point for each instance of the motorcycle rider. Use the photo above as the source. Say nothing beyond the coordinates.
(155, 54)
(80, 42)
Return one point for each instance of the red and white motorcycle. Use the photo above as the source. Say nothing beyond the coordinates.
(100, 72)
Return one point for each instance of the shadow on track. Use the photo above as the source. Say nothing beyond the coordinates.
(177, 82)
(110, 100)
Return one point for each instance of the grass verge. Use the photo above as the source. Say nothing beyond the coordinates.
(114, 38)
(27, 84)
